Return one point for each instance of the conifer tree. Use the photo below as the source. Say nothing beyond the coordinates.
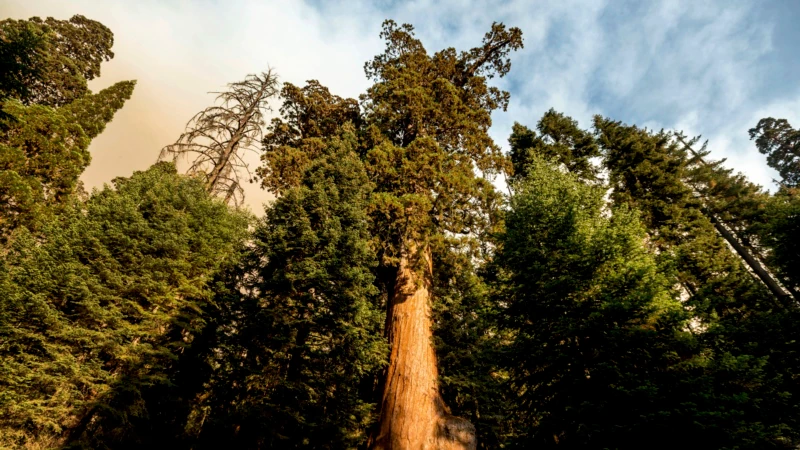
(778, 232)
(44, 150)
(48, 116)
(469, 344)
(777, 228)
(743, 327)
(429, 116)
(100, 307)
(736, 208)
(559, 138)
(595, 328)
(781, 143)
(424, 136)
(48, 62)
(219, 136)
(311, 336)
(296, 138)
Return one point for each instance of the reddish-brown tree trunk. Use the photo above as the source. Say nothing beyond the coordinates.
(413, 415)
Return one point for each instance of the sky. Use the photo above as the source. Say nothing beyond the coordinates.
(710, 68)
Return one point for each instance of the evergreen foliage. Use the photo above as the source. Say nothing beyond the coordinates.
(468, 341)
(102, 307)
(777, 230)
(779, 233)
(296, 138)
(559, 139)
(595, 330)
(781, 143)
(48, 116)
(309, 341)
(744, 329)
(44, 150)
(48, 62)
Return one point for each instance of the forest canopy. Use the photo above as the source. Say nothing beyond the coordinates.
(412, 285)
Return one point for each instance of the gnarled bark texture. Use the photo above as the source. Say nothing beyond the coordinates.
(413, 414)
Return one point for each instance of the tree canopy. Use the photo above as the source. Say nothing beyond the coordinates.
(627, 291)
(48, 62)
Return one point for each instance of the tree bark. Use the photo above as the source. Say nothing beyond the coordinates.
(413, 415)
(751, 261)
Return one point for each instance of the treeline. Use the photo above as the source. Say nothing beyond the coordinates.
(626, 292)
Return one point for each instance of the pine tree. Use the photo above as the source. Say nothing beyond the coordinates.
(781, 143)
(740, 324)
(44, 150)
(594, 327)
(293, 141)
(777, 228)
(98, 309)
(48, 116)
(312, 332)
(559, 138)
(218, 137)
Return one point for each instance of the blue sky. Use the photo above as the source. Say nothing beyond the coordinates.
(705, 67)
(712, 68)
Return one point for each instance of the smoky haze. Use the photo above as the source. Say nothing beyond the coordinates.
(179, 54)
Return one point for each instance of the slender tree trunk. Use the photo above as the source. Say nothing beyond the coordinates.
(237, 136)
(727, 234)
(413, 415)
(230, 149)
(751, 261)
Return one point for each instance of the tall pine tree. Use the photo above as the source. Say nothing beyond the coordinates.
(99, 309)
(743, 327)
(560, 139)
(595, 332)
(309, 342)
(48, 116)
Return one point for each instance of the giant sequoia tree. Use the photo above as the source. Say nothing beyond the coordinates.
(426, 148)
(430, 117)
(597, 305)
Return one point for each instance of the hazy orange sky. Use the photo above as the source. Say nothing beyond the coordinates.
(712, 68)
(180, 51)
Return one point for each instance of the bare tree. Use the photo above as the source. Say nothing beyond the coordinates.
(219, 136)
